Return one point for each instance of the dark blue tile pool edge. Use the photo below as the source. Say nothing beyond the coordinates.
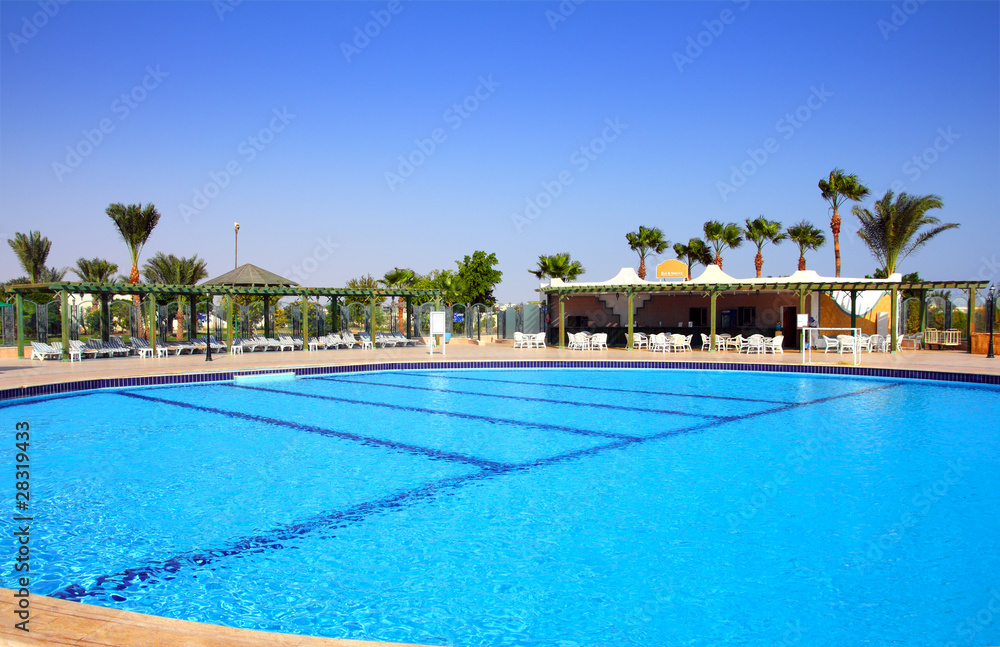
(59, 388)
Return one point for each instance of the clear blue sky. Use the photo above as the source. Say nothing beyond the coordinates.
(314, 119)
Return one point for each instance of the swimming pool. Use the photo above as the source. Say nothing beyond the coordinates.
(523, 507)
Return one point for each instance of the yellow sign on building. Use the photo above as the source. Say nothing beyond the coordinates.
(672, 269)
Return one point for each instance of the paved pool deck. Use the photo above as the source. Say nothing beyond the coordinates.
(58, 622)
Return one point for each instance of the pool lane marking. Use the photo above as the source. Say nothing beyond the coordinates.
(364, 440)
(596, 405)
(594, 388)
(437, 412)
(360, 512)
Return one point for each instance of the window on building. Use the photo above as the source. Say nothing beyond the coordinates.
(747, 316)
(698, 316)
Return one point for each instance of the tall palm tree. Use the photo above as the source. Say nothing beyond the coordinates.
(32, 251)
(173, 270)
(646, 241)
(837, 189)
(399, 278)
(893, 231)
(696, 251)
(95, 270)
(720, 236)
(807, 237)
(135, 223)
(761, 231)
(557, 266)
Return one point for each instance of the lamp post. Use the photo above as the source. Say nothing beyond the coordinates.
(236, 247)
(991, 305)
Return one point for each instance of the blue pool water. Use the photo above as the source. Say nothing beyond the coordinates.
(528, 507)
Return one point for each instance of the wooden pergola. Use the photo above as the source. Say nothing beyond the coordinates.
(801, 289)
(207, 292)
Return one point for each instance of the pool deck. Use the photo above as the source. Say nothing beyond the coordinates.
(58, 622)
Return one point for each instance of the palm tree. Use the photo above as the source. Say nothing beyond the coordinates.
(892, 232)
(806, 236)
(644, 242)
(173, 270)
(761, 231)
(836, 190)
(557, 266)
(95, 270)
(721, 236)
(696, 251)
(399, 278)
(32, 251)
(135, 223)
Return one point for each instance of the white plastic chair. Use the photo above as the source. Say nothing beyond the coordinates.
(639, 340)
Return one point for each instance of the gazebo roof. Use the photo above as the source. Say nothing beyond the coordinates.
(249, 274)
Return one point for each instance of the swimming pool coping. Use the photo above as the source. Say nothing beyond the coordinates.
(200, 377)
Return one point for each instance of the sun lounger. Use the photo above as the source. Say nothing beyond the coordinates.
(42, 351)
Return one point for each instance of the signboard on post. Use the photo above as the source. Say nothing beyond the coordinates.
(802, 321)
(672, 269)
(437, 327)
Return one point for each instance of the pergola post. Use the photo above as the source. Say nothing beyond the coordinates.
(151, 322)
(854, 308)
(631, 319)
(562, 320)
(267, 316)
(923, 314)
(192, 316)
(970, 317)
(305, 323)
(713, 295)
(19, 313)
(229, 323)
(409, 317)
(105, 317)
(64, 321)
(371, 321)
(893, 316)
(335, 314)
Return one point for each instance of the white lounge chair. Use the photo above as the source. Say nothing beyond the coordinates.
(42, 351)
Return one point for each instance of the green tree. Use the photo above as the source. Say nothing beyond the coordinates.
(477, 277)
(135, 223)
(364, 282)
(761, 231)
(696, 251)
(897, 228)
(646, 241)
(399, 278)
(95, 270)
(557, 266)
(807, 237)
(32, 250)
(720, 236)
(838, 189)
(172, 270)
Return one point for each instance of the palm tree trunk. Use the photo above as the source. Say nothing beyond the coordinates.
(835, 227)
(718, 261)
(758, 262)
(802, 262)
(642, 268)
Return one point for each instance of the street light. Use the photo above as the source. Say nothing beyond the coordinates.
(236, 259)
(991, 306)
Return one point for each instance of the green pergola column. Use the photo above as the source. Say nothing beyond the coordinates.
(562, 320)
(151, 323)
(19, 313)
(371, 321)
(105, 317)
(970, 317)
(305, 323)
(409, 317)
(893, 316)
(267, 316)
(192, 317)
(335, 314)
(923, 313)
(631, 319)
(64, 320)
(711, 320)
(229, 323)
